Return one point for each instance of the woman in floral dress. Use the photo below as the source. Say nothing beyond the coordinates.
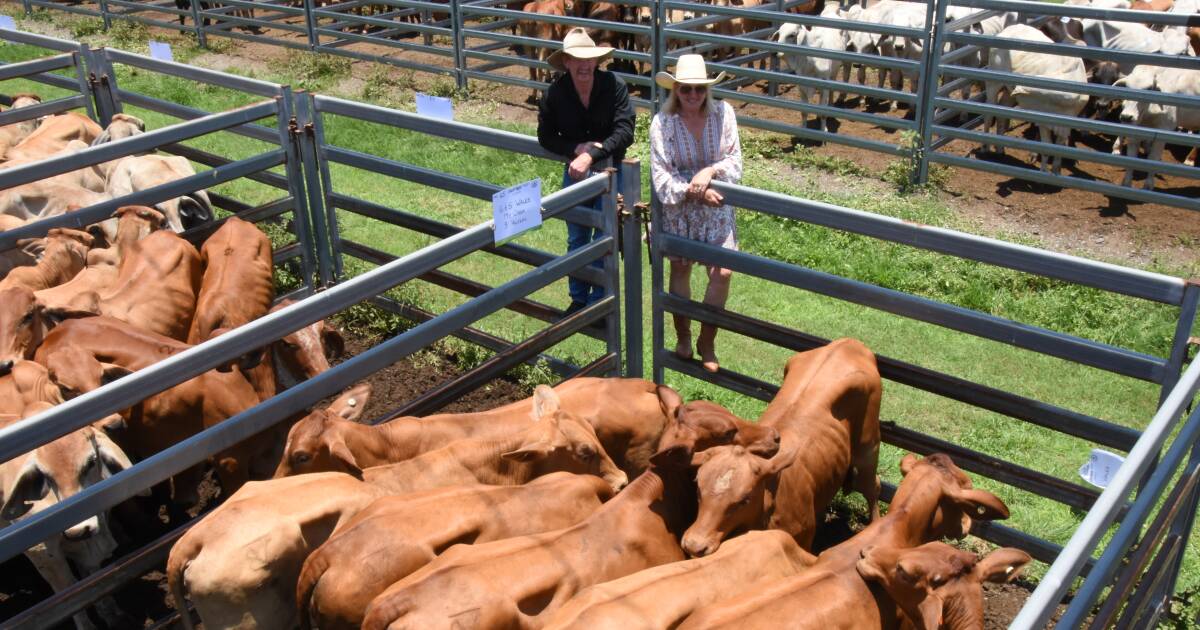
(693, 141)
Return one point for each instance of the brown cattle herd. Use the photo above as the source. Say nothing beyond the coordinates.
(600, 503)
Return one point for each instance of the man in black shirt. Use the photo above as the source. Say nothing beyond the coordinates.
(584, 116)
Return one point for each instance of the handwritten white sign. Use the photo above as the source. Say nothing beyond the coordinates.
(1101, 467)
(7, 23)
(161, 50)
(435, 106)
(516, 210)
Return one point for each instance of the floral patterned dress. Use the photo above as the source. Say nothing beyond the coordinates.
(676, 157)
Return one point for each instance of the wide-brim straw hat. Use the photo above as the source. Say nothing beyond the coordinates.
(578, 45)
(689, 70)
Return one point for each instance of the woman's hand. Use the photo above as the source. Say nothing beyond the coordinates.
(700, 183)
(712, 198)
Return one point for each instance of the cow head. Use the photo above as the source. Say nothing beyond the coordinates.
(936, 585)
(314, 444)
(1143, 112)
(57, 471)
(562, 441)
(25, 127)
(733, 484)
(701, 424)
(939, 500)
(120, 127)
(76, 371)
(23, 325)
(304, 353)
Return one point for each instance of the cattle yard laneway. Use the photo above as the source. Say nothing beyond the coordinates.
(325, 259)
(934, 79)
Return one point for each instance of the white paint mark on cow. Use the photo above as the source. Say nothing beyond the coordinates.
(723, 482)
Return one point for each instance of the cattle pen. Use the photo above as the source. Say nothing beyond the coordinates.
(324, 254)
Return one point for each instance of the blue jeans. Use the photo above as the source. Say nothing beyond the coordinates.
(578, 236)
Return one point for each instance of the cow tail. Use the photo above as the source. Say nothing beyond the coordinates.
(310, 575)
(177, 563)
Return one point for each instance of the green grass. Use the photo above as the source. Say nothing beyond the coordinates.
(1130, 323)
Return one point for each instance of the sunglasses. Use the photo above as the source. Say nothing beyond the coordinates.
(688, 89)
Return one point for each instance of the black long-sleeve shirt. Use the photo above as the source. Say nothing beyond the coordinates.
(563, 122)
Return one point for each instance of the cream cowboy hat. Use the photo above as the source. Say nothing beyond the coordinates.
(578, 45)
(689, 70)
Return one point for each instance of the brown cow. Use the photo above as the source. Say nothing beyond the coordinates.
(700, 425)
(542, 30)
(827, 413)
(132, 223)
(237, 288)
(22, 326)
(303, 354)
(228, 590)
(83, 354)
(398, 535)
(156, 286)
(662, 597)
(520, 582)
(934, 500)
(54, 472)
(936, 585)
(64, 254)
(52, 136)
(12, 134)
(626, 413)
(26, 383)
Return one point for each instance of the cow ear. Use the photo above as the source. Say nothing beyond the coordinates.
(979, 504)
(906, 464)
(335, 345)
(669, 400)
(113, 372)
(931, 612)
(868, 570)
(701, 458)
(1002, 565)
(545, 403)
(29, 487)
(113, 458)
(340, 452)
(350, 405)
(783, 458)
(529, 452)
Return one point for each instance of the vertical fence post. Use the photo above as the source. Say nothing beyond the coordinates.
(104, 15)
(197, 22)
(28, 8)
(103, 82)
(306, 136)
(658, 47)
(773, 64)
(631, 237)
(927, 87)
(657, 317)
(333, 236)
(460, 56)
(81, 78)
(1175, 364)
(310, 21)
(612, 275)
(290, 143)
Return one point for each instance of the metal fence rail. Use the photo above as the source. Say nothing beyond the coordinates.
(1155, 287)
(325, 111)
(71, 55)
(960, 68)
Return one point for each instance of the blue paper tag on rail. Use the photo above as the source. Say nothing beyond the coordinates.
(8, 23)
(516, 210)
